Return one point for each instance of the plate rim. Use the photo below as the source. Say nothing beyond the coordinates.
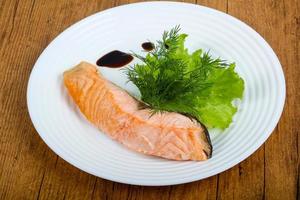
(248, 152)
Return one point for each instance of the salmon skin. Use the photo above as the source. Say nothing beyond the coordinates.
(166, 134)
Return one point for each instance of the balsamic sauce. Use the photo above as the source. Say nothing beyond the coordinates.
(148, 46)
(114, 59)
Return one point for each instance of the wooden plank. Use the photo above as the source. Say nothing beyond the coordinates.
(22, 154)
(282, 153)
(25, 160)
(219, 5)
(30, 170)
(271, 172)
(61, 180)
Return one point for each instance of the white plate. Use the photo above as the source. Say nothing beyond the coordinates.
(68, 134)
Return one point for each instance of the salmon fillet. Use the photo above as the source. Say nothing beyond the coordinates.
(169, 135)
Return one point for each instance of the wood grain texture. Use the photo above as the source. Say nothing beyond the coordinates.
(30, 170)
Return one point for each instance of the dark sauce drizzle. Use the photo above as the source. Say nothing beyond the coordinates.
(148, 46)
(114, 59)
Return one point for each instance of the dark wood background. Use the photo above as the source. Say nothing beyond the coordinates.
(30, 170)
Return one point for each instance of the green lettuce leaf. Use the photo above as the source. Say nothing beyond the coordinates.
(214, 105)
(172, 79)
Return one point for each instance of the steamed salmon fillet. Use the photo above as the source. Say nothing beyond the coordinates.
(119, 115)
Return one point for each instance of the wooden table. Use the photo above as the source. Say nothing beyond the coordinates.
(30, 170)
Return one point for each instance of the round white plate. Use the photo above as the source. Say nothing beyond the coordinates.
(72, 137)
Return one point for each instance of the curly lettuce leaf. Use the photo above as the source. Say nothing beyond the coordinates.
(172, 79)
(214, 104)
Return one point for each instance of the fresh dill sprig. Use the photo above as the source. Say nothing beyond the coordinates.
(168, 43)
(171, 79)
